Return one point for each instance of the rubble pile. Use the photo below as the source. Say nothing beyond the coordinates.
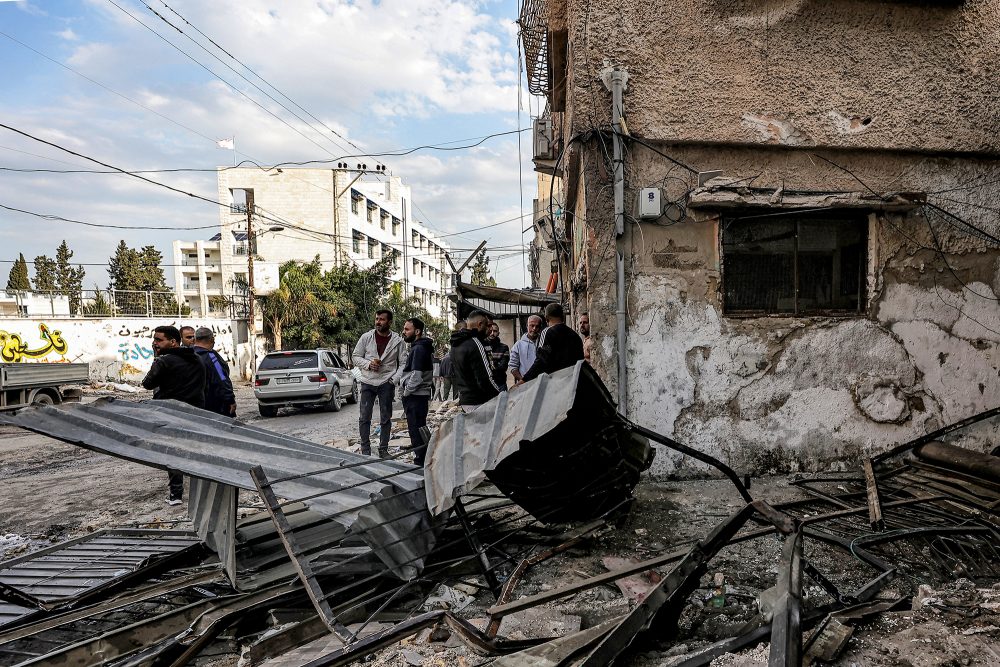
(303, 554)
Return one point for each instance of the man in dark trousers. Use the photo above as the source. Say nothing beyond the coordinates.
(471, 369)
(380, 357)
(176, 374)
(417, 383)
(558, 347)
(219, 395)
(499, 354)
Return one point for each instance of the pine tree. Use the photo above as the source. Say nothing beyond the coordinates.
(18, 281)
(481, 271)
(45, 274)
(69, 280)
(124, 269)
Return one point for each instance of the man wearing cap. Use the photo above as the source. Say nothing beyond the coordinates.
(219, 395)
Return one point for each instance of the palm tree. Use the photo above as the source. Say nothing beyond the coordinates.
(301, 298)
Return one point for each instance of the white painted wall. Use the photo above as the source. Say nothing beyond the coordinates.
(117, 349)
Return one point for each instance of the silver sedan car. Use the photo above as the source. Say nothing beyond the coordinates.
(303, 378)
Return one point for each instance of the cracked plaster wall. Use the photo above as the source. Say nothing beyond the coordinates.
(783, 393)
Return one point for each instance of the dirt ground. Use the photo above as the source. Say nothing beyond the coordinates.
(50, 492)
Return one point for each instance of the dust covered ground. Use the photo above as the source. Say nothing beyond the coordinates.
(50, 492)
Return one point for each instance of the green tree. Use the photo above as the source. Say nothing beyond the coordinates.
(406, 308)
(124, 270)
(481, 271)
(299, 304)
(359, 293)
(99, 306)
(69, 280)
(18, 281)
(45, 274)
(132, 271)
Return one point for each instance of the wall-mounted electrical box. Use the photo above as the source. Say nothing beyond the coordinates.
(650, 203)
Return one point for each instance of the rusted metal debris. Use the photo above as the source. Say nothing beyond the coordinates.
(928, 512)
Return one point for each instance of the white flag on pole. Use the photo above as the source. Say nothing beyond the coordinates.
(229, 144)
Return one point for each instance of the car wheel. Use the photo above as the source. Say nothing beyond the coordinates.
(267, 410)
(355, 393)
(335, 403)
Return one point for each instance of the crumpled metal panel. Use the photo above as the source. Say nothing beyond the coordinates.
(380, 501)
(555, 445)
(77, 569)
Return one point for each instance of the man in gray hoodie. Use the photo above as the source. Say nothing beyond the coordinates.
(417, 384)
(380, 356)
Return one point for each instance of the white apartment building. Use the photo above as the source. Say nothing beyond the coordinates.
(339, 215)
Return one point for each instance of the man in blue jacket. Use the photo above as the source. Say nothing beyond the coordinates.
(417, 383)
(219, 395)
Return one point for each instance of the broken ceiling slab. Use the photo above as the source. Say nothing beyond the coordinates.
(379, 500)
(81, 568)
(556, 446)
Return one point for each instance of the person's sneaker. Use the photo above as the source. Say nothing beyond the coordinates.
(173, 501)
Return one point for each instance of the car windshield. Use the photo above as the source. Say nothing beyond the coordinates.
(289, 360)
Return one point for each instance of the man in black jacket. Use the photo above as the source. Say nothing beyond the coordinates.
(177, 374)
(558, 347)
(472, 372)
(499, 354)
(219, 395)
(417, 383)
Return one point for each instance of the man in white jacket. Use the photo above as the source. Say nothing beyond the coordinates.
(380, 356)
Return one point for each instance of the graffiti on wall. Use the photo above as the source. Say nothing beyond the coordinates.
(13, 349)
(116, 349)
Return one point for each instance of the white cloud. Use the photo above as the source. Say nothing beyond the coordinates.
(378, 68)
(68, 35)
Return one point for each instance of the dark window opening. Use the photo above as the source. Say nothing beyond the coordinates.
(795, 264)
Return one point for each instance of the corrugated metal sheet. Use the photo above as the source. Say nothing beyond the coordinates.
(555, 445)
(77, 569)
(380, 501)
(13, 613)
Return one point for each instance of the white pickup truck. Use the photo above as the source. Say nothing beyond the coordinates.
(40, 384)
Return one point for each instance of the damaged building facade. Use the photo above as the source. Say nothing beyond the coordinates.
(808, 219)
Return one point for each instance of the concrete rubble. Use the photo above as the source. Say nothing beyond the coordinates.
(858, 566)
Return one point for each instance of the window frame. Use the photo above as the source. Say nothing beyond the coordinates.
(833, 216)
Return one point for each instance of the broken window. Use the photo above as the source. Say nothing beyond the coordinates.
(798, 264)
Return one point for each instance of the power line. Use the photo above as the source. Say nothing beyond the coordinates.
(229, 85)
(57, 218)
(268, 83)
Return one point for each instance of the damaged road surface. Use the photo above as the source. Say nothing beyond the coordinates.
(528, 539)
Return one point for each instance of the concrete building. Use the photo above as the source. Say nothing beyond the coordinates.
(808, 229)
(339, 215)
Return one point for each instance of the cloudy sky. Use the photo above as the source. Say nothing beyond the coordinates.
(103, 78)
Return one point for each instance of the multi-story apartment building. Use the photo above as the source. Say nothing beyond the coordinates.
(339, 215)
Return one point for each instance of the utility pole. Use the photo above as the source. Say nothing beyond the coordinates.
(251, 315)
(616, 80)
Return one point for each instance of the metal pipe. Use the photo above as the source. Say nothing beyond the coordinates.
(616, 80)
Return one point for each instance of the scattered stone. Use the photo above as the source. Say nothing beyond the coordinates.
(538, 623)
(412, 657)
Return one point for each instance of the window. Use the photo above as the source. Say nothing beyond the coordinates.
(395, 226)
(422, 268)
(414, 238)
(358, 238)
(416, 267)
(385, 217)
(372, 209)
(356, 199)
(372, 244)
(238, 198)
(795, 264)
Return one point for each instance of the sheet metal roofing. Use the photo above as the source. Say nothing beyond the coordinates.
(556, 446)
(380, 501)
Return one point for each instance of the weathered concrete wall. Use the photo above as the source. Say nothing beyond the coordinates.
(798, 393)
(896, 75)
(116, 349)
(761, 89)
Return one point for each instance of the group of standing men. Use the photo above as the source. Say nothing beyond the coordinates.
(187, 368)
